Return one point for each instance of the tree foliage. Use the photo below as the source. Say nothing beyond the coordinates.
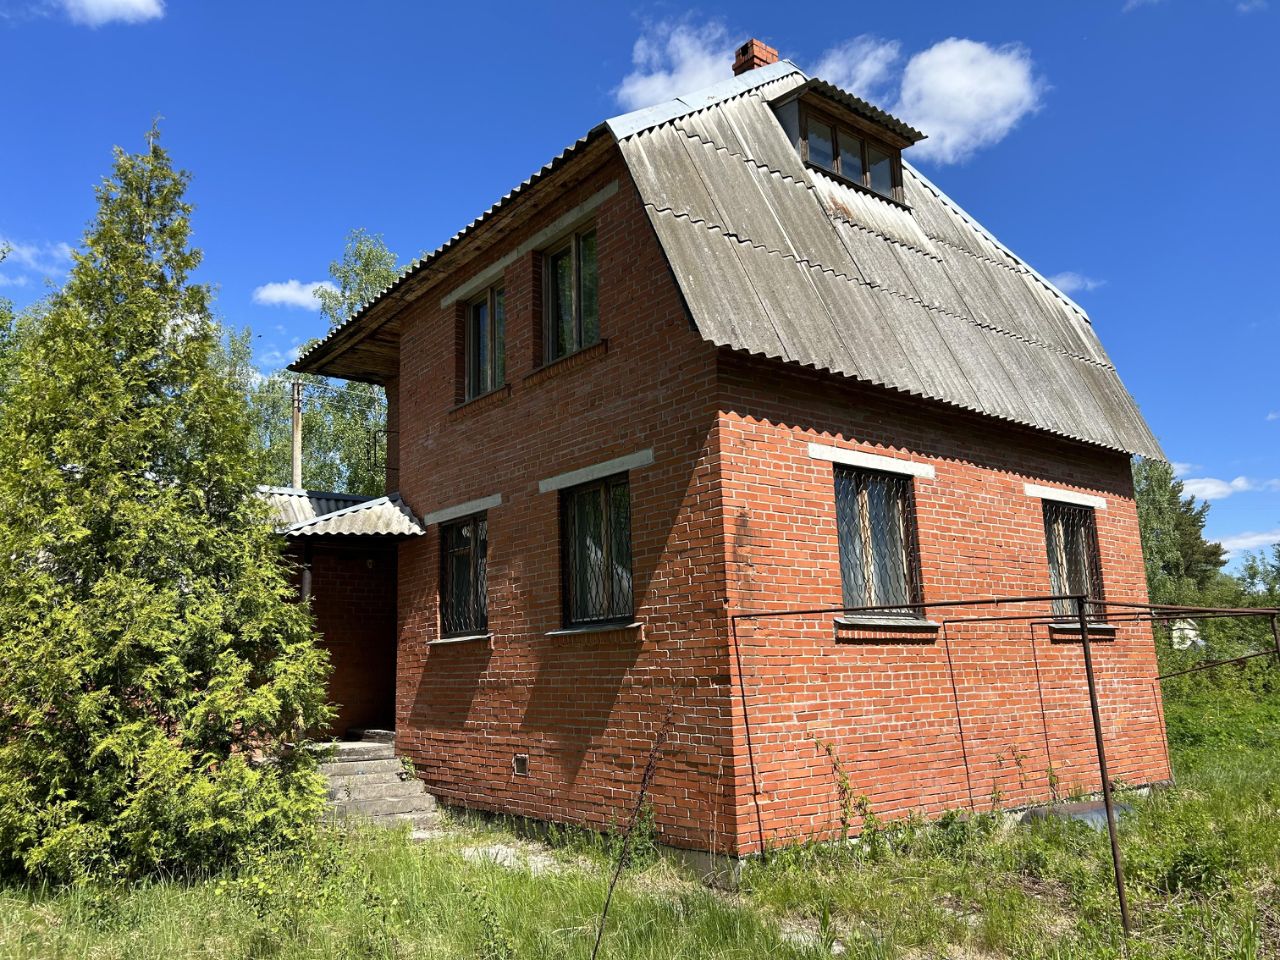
(343, 422)
(154, 661)
(1180, 562)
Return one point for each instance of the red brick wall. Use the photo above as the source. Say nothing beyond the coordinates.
(583, 708)
(886, 703)
(353, 597)
(731, 511)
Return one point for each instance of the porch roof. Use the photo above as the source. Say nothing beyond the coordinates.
(313, 513)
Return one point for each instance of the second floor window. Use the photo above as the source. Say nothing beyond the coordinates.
(875, 525)
(1075, 568)
(485, 343)
(596, 552)
(464, 548)
(571, 315)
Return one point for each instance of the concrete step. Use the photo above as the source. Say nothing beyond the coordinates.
(352, 768)
(372, 787)
(384, 806)
(344, 751)
(416, 821)
(371, 735)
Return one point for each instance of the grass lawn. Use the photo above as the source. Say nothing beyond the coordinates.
(1203, 867)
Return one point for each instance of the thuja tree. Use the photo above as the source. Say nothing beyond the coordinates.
(155, 664)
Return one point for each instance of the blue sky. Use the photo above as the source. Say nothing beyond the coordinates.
(1123, 146)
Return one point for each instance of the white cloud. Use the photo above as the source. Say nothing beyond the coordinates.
(6, 281)
(1211, 488)
(291, 293)
(1180, 469)
(675, 57)
(967, 95)
(864, 66)
(1250, 540)
(95, 13)
(40, 257)
(1071, 282)
(1251, 6)
(1273, 415)
(275, 356)
(964, 94)
(1130, 5)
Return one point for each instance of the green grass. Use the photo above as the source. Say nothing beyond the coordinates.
(1203, 867)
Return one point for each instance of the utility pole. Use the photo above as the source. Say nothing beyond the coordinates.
(297, 434)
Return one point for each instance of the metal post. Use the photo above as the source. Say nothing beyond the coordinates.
(1116, 860)
(297, 435)
(1275, 632)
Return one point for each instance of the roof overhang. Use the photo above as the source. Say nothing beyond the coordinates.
(901, 134)
(367, 346)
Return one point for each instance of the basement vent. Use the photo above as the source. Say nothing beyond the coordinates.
(520, 764)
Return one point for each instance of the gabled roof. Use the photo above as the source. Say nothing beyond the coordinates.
(777, 260)
(316, 513)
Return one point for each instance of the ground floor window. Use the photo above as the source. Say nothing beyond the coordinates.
(464, 547)
(1075, 568)
(875, 523)
(596, 552)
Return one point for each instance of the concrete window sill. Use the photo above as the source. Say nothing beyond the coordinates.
(885, 630)
(445, 641)
(591, 628)
(1068, 630)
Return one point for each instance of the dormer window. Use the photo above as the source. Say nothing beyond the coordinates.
(850, 155)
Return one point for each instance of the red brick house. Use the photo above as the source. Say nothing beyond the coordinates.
(733, 353)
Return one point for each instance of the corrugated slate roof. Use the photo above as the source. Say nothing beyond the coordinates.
(778, 260)
(318, 513)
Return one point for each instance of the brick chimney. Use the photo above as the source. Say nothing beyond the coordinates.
(754, 53)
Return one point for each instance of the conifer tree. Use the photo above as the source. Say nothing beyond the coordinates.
(155, 662)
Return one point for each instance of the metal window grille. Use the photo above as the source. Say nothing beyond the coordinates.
(596, 552)
(875, 522)
(464, 548)
(1071, 537)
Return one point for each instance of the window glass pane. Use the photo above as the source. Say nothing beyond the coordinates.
(560, 326)
(1072, 544)
(821, 148)
(586, 556)
(881, 166)
(874, 534)
(499, 338)
(620, 548)
(884, 502)
(463, 604)
(478, 344)
(588, 278)
(850, 156)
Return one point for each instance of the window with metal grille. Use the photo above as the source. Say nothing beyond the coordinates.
(464, 547)
(571, 314)
(486, 364)
(875, 522)
(596, 552)
(1075, 568)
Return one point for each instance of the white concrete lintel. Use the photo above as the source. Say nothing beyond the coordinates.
(871, 461)
(563, 224)
(598, 471)
(1064, 496)
(459, 510)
